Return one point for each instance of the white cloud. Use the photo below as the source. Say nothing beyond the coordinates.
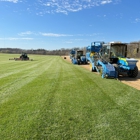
(66, 6)
(61, 6)
(14, 38)
(25, 33)
(14, 1)
(106, 1)
(54, 35)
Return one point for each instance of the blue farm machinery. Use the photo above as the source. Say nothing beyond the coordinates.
(110, 59)
(77, 57)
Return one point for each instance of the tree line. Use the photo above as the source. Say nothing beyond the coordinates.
(133, 50)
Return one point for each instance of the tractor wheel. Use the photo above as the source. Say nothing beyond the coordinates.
(133, 73)
(78, 62)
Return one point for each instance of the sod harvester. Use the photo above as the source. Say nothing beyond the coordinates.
(110, 59)
(23, 56)
(77, 57)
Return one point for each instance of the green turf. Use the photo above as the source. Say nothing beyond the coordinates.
(52, 99)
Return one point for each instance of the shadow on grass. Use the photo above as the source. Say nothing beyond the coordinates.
(33, 60)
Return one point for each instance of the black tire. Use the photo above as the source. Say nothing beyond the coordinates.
(133, 73)
(78, 62)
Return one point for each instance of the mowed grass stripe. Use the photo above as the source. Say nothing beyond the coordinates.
(20, 78)
(68, 102)
(117, 101)
(102, 102)
(23, 69)
(18, 66)
(38, 90)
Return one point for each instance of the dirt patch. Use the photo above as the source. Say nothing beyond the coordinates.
(133, 82)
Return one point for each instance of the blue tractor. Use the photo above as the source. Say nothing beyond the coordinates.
(77, 57)
(110, 60)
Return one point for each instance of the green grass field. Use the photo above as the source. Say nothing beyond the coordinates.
(52, 99)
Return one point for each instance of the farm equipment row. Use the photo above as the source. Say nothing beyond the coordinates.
(109, 59)
(23, 57)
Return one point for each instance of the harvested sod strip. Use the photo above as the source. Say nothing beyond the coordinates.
(51, 99)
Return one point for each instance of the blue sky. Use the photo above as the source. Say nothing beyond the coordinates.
(56, 24)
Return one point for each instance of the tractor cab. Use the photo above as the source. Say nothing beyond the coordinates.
(78, 54)
(78, 57)
(116, 54)
(111, 52)
(24, 56)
